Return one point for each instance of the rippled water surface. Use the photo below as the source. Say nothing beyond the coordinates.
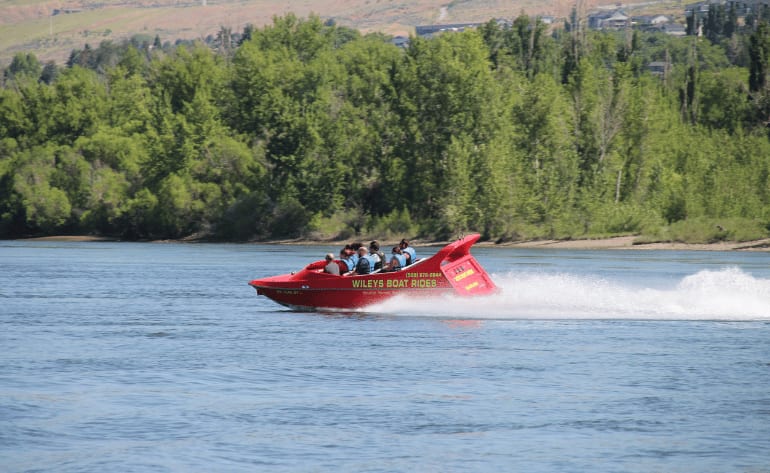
(158, 357)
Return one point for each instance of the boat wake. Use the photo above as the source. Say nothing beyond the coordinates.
(728, 294)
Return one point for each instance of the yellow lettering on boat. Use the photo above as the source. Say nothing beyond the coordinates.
(464, 275)
(366, 283)
(396, 283)
(423, 283)
(471, 285)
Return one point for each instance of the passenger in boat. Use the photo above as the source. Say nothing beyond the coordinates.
(365, 261)
(351, 253)
(342, 265)
(377, 255)
(408, 251)
(347, 261)
(332, 267)
(397, 260)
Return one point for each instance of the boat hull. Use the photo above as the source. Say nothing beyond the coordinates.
(452, 270)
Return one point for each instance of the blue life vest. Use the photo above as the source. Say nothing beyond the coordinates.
(401, 261)
(412, 254)
(350, 263)
(372, 261)
(364, 266)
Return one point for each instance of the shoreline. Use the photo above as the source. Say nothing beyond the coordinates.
(627, 243)
(612, 243)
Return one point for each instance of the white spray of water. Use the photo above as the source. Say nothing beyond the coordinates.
(728, 294)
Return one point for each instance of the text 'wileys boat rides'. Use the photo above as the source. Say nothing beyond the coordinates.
(452, 270)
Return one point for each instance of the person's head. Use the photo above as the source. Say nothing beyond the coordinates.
(404, 243)
(363, 251)
(374, 246)
(343, 254)
(356, 245)
(396, 250)
(329, 257)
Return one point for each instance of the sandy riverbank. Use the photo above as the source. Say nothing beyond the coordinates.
(69, 238)
(616, 243)
(627, 243)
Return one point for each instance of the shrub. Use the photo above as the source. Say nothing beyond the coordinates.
(395, 225)
(709, 230)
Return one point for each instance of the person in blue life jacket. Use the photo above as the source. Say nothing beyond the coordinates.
(408, 251)
(345, 257)
(351, 257)
(396, 262)
(365, 263)
(376, 254)
(353, 251)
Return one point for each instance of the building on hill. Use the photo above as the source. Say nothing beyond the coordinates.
(658, 24)
(742, 7)
(427, 31)
(615, 20)
(698, 15)
(65, 11)
(673, 29)
(699, 9)
(649, 22)
(400, 41)
(659, 68)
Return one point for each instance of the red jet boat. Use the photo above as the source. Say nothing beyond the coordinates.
(453, 270)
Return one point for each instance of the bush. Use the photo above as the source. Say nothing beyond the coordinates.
(395, 225)
(341, 225)
(247, 218)
(290, 219)
(709, 230)
(614, 219)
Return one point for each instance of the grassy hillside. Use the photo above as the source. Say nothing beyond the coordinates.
(27, 25)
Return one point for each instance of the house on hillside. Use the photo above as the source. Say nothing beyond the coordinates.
(742, 7)
(427, 31)
(674, 29)
(699, 9)
(616, 20)
(65, 11)
(659, 24)
(650, 22)
(400, 41)
(659, 68)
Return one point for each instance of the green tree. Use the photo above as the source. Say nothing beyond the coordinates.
(759, 57)
(45, 207)
(23, 65)
(549, 168)
(78, 105)
(447, 90)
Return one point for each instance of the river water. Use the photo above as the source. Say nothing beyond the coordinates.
(154, 357)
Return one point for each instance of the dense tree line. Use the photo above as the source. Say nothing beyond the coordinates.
(304, 128)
